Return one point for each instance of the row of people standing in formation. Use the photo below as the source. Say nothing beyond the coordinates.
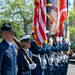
(49, 59)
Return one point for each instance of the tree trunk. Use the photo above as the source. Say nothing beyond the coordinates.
(25, 27)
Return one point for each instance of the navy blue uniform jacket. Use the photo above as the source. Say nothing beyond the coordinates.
(7, 59)
(37, 50)
(23, 67)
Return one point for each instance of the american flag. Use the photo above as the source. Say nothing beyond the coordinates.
(39, 22)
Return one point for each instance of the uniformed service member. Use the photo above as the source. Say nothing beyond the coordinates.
(37, 52)
(7, 51)
(65, 49)
(50, 65)
(60, 57)
(24, 67)
(56, 56)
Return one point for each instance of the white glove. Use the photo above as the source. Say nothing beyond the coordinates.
(44, 62)
(32, 66)
(56, 61)
(50, 60)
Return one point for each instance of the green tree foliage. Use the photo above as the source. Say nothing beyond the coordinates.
(72, 33)
(72, 17)
(20, 11)
(72, 24)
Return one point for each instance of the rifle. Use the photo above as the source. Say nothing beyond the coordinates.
(23, 50)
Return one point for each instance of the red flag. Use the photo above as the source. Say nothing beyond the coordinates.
(60, 30)
(39, 25)
(63, 11)
(63, 16)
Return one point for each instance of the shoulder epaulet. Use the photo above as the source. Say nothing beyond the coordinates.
(4, 46)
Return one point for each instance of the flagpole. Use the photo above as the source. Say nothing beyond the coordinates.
(48, 17)
(68, 33)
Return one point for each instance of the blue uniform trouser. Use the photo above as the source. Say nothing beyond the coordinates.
(56, 70)
(42, 71)
(60, 69)
(65, 68)
(51, 70)
(49, 73)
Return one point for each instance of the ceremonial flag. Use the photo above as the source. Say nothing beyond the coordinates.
(63, 16)
(39, 25)
(63, 11)
(54, 17)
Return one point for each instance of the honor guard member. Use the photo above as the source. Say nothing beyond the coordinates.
(36, 52)
(7, 51)
(50, 48)
(60, 56)
(49, 42)
(65, 44)
(43, 62)
(50, 66)
(24, 68)
(66, 58)
(44, 57)
(55, 44)
(56, 52)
